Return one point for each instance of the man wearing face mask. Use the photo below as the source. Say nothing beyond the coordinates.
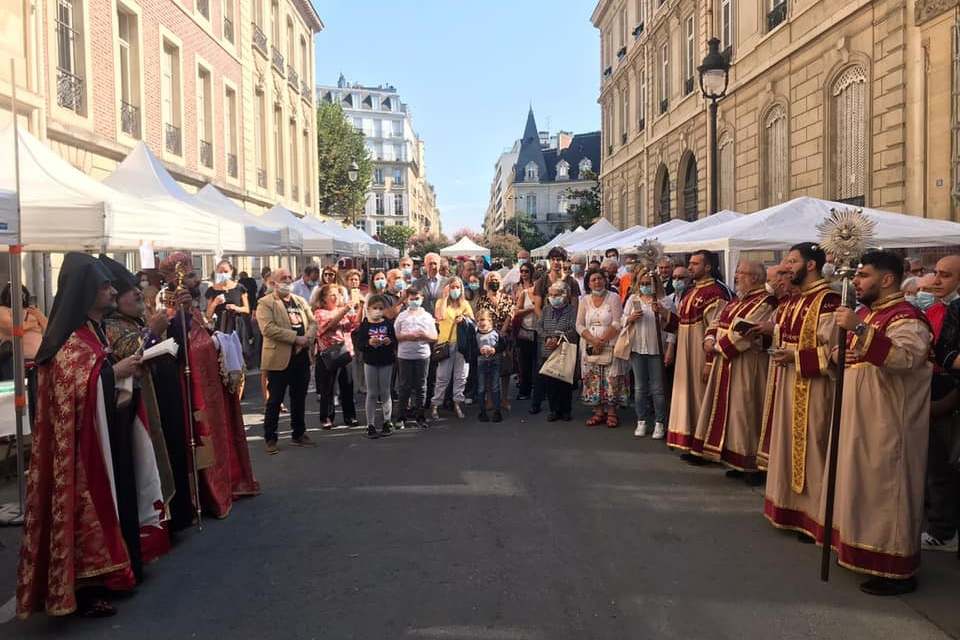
(943, 479)
(288, 329)
(306, 283)
(406, 269)
(556, 257)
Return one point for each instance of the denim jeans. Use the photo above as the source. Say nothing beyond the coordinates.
(648, 385)
(488, 379)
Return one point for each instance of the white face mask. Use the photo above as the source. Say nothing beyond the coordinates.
(222, 278)
(770, 289)
(283, 289)
(375, 315)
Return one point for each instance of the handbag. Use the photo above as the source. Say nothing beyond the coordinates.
(601, 357)
(335, 356)
(441, 352)
(621, 348)
(562, 362)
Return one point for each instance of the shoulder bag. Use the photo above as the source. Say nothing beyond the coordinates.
(441, 352)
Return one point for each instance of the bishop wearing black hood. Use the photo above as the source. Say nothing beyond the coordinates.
(79, 502)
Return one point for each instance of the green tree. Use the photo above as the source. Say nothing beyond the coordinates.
(585, 207)
(503, 246)
(423, 243)
(396, 236)
(470, 233)
(530, 236)
(339, 145)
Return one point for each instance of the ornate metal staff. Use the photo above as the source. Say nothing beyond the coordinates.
(846, 235)
(649, 252)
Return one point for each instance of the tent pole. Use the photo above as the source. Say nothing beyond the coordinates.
(16, 299)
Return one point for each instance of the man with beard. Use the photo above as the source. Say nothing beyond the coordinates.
(128, 334)
(696, 311)
(798, 412)
(882, 449)
(728, 428)
(221, 452)
(81, 531)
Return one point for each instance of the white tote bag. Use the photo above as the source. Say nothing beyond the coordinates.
(562, 363)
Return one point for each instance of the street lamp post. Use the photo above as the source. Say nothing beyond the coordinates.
(352, 174)
(714, 76)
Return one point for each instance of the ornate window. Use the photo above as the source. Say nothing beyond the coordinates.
(585, 165)
(531, 201)
(726, 172)
(530, 172)
(776, 150)
(849, 95)
(663, 194)
(563, 170)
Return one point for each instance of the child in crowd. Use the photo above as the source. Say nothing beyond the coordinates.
(488, 366)
(377, 343)
(415, 331)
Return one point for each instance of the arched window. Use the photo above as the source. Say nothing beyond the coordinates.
(776, 150)
(530, 172)
(726, 172)
(688, 173)
(848, 96)
(563, 170)
(663, 194)
(585, 166)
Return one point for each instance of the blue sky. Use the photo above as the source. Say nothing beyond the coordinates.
(469, 71)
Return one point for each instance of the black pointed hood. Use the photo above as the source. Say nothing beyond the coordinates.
(81, 276)
(120, 276)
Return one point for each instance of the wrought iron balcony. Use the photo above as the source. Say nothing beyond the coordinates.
(259, 39)
(293, 78)
(262, 178)
(607, 72)
(228, 28)
(664, 104)
(622, 52)
(623, 138)
(232, 165)
(130, 119)
(173, 139)
(203, 6)
(688, 86)
(280, 186)
(69, 90)
(277, 58)
(643, 124)
(206, 154)
(305, 91)
(638, 30)
(776, 15)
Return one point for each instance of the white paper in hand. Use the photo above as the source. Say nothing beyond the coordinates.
(168, 347)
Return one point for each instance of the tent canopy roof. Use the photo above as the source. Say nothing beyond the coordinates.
(464, 247)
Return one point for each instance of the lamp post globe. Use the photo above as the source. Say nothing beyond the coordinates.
(714, 79)
(354, 171)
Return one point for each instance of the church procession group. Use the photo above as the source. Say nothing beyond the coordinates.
(126, 453)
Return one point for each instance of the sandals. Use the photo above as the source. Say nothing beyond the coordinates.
(612, 421)
(95, 608)
(595, 420)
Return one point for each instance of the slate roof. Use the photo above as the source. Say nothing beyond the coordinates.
(583, 145)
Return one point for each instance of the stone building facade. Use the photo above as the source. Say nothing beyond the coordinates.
(220, 90)
(844, 100)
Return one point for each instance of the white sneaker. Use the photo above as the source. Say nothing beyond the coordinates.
(641, 430)
(659, 431)
(433, 414)
(929, 543)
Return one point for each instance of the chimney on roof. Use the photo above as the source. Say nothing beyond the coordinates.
(564, 138)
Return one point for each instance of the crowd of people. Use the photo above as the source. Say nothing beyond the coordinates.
(127, 451)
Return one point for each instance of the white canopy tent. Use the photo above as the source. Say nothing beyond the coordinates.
(627, 242)
(340, 233)
(64, 209)
(142, 176)
(464, 247)
(8, 215)
(604, 242)
(258, 239)
(315, 242)
(602, 227)
(781, 226)
(678, 232)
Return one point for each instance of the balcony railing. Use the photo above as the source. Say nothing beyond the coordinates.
(623, 138)
(69, 90)
(262, 178)
(622, 52)
(305, 91)
(232, 165)
(277, 58)
(280, 186)
(259, 39)
(642, 125)
(228, 28)
(776, 15)
(206, 154)
(688, 86)
(663, 105)
(295, 192)
(130, 119)
(293, 78)
(607, 72)
(203, 6)
(173, 139)
(638, 30)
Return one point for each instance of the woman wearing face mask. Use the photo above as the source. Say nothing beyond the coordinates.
(558, 319)
(647, 301)
(598, 323)
(526, 311)
(451, 310)
(226, 299)
(500, 305)
(336, 320)
(471, 292)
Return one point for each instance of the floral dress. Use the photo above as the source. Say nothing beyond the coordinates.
(603, 385)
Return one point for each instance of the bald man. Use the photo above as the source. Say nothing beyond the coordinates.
(728, 426)
(943, 480)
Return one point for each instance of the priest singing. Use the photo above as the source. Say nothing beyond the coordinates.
(81, 530)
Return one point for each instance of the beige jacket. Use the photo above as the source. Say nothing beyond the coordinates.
(278, 333)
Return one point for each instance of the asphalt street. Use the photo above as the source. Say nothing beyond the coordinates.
(523, 530)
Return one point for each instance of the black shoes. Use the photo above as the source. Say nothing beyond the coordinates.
(483, 417)
(552, 417)
(387, 429)
(523, 396)
(303, 441)
(372, 432)
(889, 586)
(534, 410)
(497, 416)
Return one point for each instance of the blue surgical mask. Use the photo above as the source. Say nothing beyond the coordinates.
(679, 286)
(556, 301)
(577, 269)
(924, 300)
(407, 272)
(399, 285)
(473, 286)
(380, 284)
(646, 289)
(455, 294)
(522, 260)
(414, 304)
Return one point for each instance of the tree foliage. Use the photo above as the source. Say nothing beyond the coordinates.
(502, 246)
(469, 233)
(338, 145)
(396, 236)
(530, 236)
(585, 206)
(423, 243)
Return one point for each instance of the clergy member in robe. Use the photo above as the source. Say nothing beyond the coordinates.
(802, 397)
(222, 453)
(695, 312)
(81, 528)
(728, 429)
(128, 334)
(884, 426)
